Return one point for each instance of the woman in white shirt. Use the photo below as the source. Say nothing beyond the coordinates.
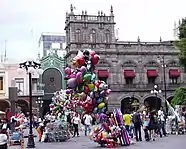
(3, 140)
(76, 121)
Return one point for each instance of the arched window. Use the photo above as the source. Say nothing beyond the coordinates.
(107, 36)
(78, 35)
(93, 36)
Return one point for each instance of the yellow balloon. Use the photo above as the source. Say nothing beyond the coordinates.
(101, 105)
(91, 86)
(104, 134)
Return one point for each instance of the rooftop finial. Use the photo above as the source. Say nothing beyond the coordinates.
(82, 12)
(111, 9)
(98, 13)
(160, 39)
(101, 13)
(85, 12)
(71, 8)
(138, 39)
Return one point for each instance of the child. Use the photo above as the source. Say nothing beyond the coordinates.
(145, 127)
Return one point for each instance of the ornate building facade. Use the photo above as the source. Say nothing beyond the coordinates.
(131, 68)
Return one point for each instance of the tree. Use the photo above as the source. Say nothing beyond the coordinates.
(181, 42)
(179, 96)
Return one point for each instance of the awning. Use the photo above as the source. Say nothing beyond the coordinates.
(152, 73)
(129, 73)
(175, 73)
(103, 74)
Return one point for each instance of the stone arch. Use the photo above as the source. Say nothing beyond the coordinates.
(23, 104)
(129, 63)
(150, 63)
(172, 63)
(169, 98)
(152, 102)
(129, 103)
(4, 104)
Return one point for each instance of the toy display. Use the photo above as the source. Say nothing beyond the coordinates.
(112, 132)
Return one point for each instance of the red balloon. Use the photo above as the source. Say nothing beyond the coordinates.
(95, 59)
(86, 89)
(93, 53)
(81, 61)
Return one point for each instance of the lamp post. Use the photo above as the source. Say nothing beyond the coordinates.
(162, 59)
(155, 91)
(30, 66)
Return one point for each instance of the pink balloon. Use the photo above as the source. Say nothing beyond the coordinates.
(89, 100)
(83, 69)
(72, 83)
(68, 71)
(79, 76)
(68, 91)
(73, 76)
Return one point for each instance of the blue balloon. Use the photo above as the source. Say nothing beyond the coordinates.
(91, 94)
(102, 93)
(95, 110)
(93, 78)
(103, 110)
(99, 100)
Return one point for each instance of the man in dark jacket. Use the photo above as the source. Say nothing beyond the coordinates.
(137, 125)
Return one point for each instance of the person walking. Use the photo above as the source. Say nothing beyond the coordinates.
(76, 121)
(162, 122)
(145, 127)
(153, 124)
(88, 122)
(127, 121)
(137, 125)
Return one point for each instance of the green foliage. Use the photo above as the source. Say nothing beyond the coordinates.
(179, 96)
(181, 43)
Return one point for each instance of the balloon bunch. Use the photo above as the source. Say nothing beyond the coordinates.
(82, 83)
(60, 102)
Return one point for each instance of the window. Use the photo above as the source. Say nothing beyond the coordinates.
(174, 80)
(78, 35)
(34, 83)
(107, 36)
(129, 80)
(1, 83)
(78, 46)
(20, 85)
(93, 46)
(93, 36)
(103, 79)
(151, 80)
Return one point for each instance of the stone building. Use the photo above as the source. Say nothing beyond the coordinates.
(131, 68)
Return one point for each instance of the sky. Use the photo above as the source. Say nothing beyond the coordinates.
(23, 21)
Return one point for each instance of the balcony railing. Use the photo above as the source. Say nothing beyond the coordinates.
(143, 87)
(34, 93)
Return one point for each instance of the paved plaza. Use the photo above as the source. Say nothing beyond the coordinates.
(171, 142)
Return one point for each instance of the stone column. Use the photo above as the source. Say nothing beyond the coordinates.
(13, 99)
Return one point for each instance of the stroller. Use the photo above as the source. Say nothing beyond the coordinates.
(16, 137)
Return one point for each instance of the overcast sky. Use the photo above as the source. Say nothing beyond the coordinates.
(22, 21)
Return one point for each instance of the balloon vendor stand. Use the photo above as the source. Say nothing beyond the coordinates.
(111, 133)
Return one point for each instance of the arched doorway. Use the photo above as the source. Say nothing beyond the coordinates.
(4, 104)
(23, 104)
(169, 99)
(152, 103)
(52, 78)
(129, 104)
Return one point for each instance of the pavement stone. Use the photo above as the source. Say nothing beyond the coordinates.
(82, 142)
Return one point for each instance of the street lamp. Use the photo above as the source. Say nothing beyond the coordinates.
(162, 59)
(155, 91)
(30, 66)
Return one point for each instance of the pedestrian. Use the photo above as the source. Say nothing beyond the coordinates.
(162, 122)
(127, 121)
(40, 131)
(76, 121)
(153, 125)
(87, 122)
(137, 125)
(3, 139)
(145, 127)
